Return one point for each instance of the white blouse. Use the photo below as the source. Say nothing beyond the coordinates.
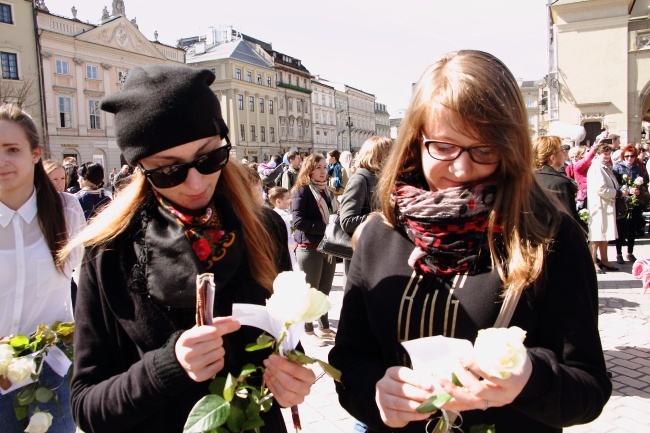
(32, 289)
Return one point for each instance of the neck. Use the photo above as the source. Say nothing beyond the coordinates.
(15, 199)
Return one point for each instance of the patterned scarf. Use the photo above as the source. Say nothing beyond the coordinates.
(209, 241)
(327, 204)
(448, 228)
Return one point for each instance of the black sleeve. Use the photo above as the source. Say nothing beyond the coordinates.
(569, 383)
(105, 392)
(270, 178)
(278, 231)
(353, 204)
(303, 220)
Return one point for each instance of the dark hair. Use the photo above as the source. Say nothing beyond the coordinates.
(291, 155)
(335, 153)
(93, 173)
(277, 159)
(49, 205)
(71, 176)
(602, 148)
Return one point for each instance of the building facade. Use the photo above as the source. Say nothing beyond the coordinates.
(81, 64)
(530, 90)
(324, 116)
(599, 66)
(362, 116)
(382, 120)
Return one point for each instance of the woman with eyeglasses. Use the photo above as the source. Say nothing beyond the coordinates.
(463, 224)
(141, 363)
(631, 175)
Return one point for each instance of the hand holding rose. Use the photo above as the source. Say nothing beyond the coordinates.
(289, 382)
(399, 393)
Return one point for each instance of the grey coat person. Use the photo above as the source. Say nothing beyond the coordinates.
(358, 199)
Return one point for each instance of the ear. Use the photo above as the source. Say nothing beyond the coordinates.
(36, 154)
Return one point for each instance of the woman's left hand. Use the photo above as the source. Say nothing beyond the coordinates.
(289, 382)
(635, 191)
(489, 392)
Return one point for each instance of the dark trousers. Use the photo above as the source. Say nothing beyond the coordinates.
(626, 228)
(319, 272)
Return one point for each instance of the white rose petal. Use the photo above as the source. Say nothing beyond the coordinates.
(500, 351)
(6, 355)
(294, 301)
(638, 181)
(39, 422)
(20, 369)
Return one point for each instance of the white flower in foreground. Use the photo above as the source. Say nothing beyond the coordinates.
(20, 369)
(294, 301)
(625, 176)
(6, 355)
(638, 181)
(500, 351)
(39, 422)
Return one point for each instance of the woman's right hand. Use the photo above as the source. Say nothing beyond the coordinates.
(399, 393)
(200, 350)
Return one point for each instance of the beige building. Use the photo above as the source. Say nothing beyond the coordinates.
(530, 90)
(245, 85)
(382, 120)
(324, 116)
(20, 81)
(362, 115)
(599, 66)
(83, 63)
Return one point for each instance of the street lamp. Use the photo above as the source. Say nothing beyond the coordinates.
(349, 124)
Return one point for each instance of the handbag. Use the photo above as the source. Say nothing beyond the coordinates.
(336, 242)
(621, 208)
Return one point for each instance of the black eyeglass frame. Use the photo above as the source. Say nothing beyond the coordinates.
(469, 150)
(185, 167)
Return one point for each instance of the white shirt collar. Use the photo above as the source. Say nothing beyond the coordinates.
(27, 211)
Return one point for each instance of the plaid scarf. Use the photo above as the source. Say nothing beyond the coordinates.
(209, 241)
(448, 228)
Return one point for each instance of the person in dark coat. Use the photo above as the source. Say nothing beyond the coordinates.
(92, 196)
(141, 363)
(463, 225)
(549, 158)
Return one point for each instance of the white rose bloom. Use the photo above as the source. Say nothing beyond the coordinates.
(624, 176)
(6, 355)
(500, 351)
(638, 181)
(20, 369)
(39, 422)
(294, 301)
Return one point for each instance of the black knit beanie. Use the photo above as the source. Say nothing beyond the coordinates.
(161, 107)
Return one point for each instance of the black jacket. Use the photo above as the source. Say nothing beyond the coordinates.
(383, 306)
(307, 219)
(560, 186)
(136, 295)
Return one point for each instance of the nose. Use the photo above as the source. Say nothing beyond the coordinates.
(194, 180)
(462, 166)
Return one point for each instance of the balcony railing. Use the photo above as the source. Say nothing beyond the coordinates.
(292, 87)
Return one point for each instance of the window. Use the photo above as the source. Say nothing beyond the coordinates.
(291, 128)
(121, 76)
(299, 129)
(317, 136)
(330, 101)
(5, 14)
(270, 106)
(62, 67)
(94, 115)
(317, 116)
(289, 103)
(259, 79)
(529, 102)
(252, 132)
(283, 128)
(261, 105)
(322, 99)
(242, 132)
(238, 74)
(240, 101)
(281, 102)
(262, 133)
(272, 134)
(298, 105)
(531, 120)
(251, 103)
(307, 127)
(249, 76)
(268, 82)
(306, 107)
(91, 72)
(65, 112)
(9, 66)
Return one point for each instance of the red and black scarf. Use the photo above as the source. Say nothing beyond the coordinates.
(448, 228)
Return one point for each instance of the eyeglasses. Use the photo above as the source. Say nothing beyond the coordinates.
(443, 151)
(170, 176)
(628, 156)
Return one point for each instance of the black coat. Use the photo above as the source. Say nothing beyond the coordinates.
(386, 303)
(136, 296)
(307, 219)
(560, 186)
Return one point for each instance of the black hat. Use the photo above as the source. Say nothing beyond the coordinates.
(161, 107)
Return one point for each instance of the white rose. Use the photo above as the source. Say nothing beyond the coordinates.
(20, 369)
(638, 181)
(6, 355)
(39, 422)
(625, 176)
(500, 351)
(294, 301)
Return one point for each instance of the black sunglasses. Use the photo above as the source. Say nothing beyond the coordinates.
(173, 175)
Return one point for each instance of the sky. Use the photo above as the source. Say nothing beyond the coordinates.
(378, 46)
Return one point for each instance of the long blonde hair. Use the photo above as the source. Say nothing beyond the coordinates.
(373, 153)
(307, 168)
(482, 99)
(233, 183)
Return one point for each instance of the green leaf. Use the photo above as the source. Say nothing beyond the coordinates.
(222, 430)
(253, 409)
(236, 419)
(65, 329)
(229, 388)
(455, 380)
(482, 428)
(266, 406)
(433, 403)
(298, 356)
(43, 395)
(26, 396)
(19, 342)
(217, 385)
(21, 412)
(207, 414)
(246, 371)
(253, 423)
(331, 371)
(263, 341)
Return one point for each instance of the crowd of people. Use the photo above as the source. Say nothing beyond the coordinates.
(445, 226)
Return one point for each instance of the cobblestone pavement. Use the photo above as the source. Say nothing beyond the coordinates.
(624, 324)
